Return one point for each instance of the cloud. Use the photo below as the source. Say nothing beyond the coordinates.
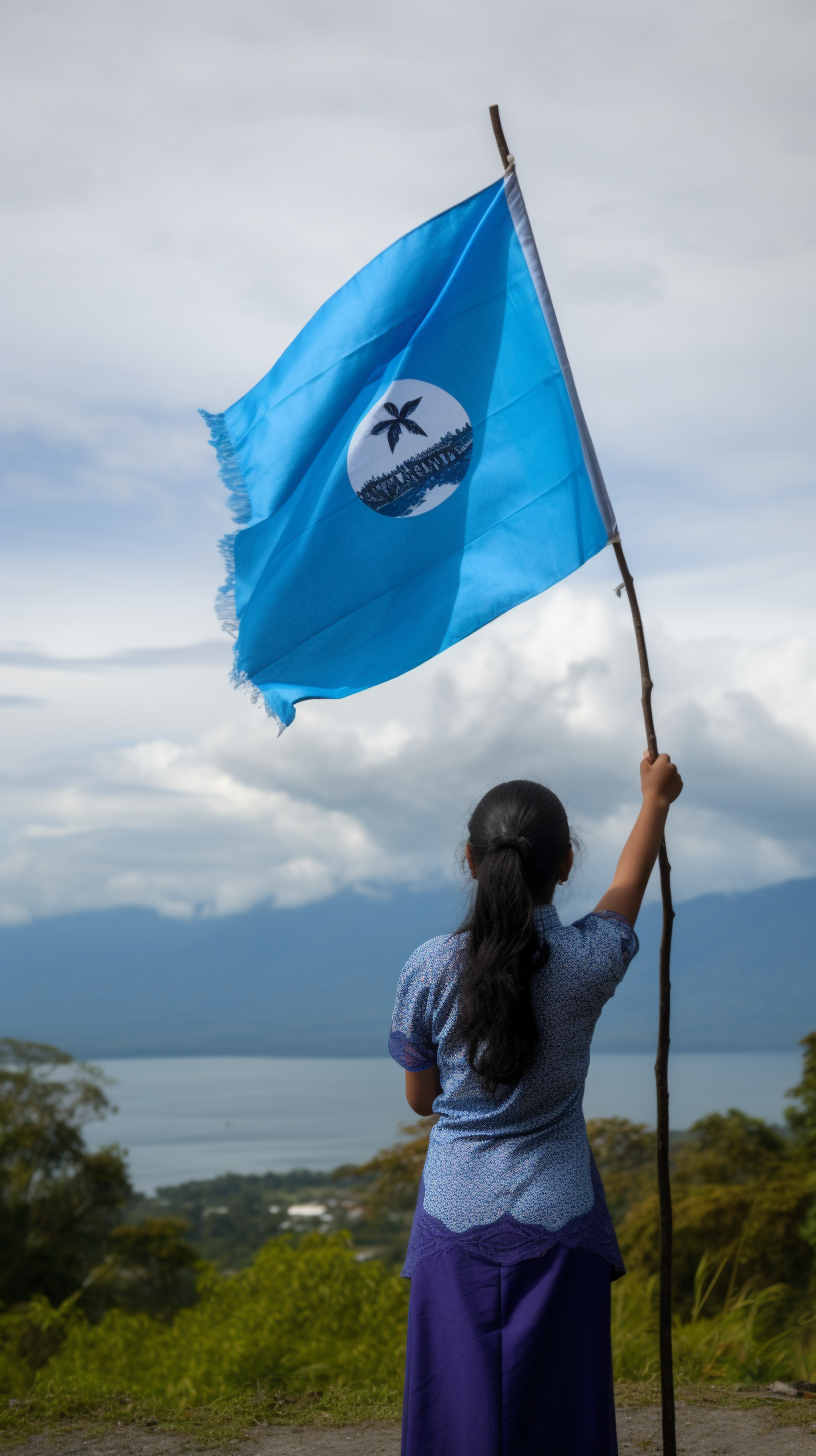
(188, 184)
(205, 653)
(374, 792)
(183, 186)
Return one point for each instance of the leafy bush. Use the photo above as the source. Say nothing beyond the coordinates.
(29, 1336)
(297, 1317)
(312, 1316)
(742, 1195)
(150, 1269)
(802, 1119)
(625, 1153)
(311, 1313)
(756, 1228)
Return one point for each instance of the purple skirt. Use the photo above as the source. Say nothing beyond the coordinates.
(510, 1360)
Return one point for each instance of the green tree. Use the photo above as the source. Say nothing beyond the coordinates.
(751, 1232)
(729, 1148)
(150, 1268)
(802, 1123)
(802, 1119)
(743, 1197)
(58, 1201)
(387, 1188)
(625, 1154)
(392, 1176)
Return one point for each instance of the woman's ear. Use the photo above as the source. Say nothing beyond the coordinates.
(565, 866)
(471, 862)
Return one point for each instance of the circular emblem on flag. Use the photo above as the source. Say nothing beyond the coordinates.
(411, 450)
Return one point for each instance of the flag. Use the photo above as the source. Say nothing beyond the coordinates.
(415, 464)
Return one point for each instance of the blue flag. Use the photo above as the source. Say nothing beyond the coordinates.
(415, 464)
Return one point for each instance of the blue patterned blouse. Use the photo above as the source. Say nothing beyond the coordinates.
(508, 1176)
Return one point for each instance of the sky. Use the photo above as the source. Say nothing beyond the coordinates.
(183, 185)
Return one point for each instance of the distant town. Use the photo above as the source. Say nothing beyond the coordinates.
(443, 463)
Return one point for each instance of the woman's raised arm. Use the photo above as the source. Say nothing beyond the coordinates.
(660, 785)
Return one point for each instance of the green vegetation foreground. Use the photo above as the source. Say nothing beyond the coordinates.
(124, 1319)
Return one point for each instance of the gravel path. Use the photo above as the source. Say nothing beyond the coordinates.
(701, 1431)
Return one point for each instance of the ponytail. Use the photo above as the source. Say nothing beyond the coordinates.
(518, 836)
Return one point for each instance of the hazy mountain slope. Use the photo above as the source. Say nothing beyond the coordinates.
(320, 980)
(743, 973)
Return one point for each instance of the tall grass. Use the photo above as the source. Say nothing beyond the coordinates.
(748, 1341)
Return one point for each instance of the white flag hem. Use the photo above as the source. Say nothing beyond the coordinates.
(524, 233)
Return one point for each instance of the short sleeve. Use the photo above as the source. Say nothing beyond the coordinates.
(411, 1040)
(608, 945)
(629, 943)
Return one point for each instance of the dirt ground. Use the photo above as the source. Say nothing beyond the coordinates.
(701, 1431)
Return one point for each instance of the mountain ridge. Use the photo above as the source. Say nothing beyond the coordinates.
(319, 980)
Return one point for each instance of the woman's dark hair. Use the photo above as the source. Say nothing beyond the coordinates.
(518, 836)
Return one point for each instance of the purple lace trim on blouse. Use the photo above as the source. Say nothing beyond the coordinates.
(410, 1054)
(509, 1242)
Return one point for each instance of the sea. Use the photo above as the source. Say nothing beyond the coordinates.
(183, 1118)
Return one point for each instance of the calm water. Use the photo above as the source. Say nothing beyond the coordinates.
(195, 1117)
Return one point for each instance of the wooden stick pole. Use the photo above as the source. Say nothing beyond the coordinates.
(498, 132)
(663, 1038)
(662, 1059)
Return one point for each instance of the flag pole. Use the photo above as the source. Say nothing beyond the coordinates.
(663, 1038)
(662, 1059)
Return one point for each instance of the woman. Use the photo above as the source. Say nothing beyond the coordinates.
(512, 1249)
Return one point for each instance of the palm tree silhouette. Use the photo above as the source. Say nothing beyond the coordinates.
(398, 422)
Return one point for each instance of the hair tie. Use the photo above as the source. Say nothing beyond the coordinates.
(511, 841)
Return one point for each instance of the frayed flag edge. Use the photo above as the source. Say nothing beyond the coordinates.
(240, 506)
